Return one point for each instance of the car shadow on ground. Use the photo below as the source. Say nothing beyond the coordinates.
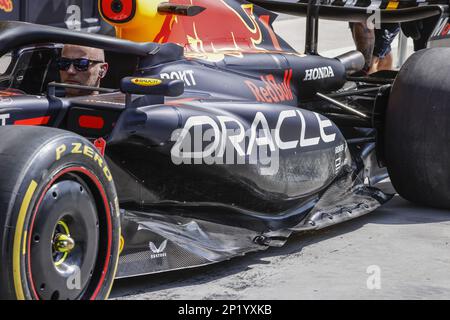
(396, 212)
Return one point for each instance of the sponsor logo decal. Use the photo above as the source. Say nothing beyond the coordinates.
(319, 73)
(158, 252)
(340, 157)
(187, 76)
(205, 140)
(88, 151)
(3, 118)
(146, 82)
(6, 5)
(272, 91)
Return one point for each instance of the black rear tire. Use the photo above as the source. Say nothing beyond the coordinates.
(59, 216)
(417, 135)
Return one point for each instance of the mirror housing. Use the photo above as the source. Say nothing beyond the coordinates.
(152, 86)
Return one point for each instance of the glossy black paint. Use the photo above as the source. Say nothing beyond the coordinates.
(285, 165)
(140, 143)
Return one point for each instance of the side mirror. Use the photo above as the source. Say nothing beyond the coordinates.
(152, 86)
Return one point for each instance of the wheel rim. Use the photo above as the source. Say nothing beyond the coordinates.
(70, 238)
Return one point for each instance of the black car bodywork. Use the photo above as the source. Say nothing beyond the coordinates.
(281, 141)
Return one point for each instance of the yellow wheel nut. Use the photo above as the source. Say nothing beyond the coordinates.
(64, 243)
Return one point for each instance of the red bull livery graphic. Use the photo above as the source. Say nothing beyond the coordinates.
(272, 91)
(223, 26)
(240, 30)
(6, 5)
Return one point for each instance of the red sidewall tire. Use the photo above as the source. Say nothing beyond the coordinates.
(46, 159)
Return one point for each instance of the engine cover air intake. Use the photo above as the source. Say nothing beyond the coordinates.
(118, 11)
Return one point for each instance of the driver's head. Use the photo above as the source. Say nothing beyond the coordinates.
(82, 66)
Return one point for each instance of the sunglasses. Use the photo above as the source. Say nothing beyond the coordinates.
(81, 64)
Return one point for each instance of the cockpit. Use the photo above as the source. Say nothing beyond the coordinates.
(31, 69)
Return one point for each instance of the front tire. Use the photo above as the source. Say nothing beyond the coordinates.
(59, 218)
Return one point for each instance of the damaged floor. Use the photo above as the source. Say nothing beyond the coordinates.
(400, 251)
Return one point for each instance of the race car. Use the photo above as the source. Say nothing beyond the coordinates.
(80, 15)
(210, 138)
